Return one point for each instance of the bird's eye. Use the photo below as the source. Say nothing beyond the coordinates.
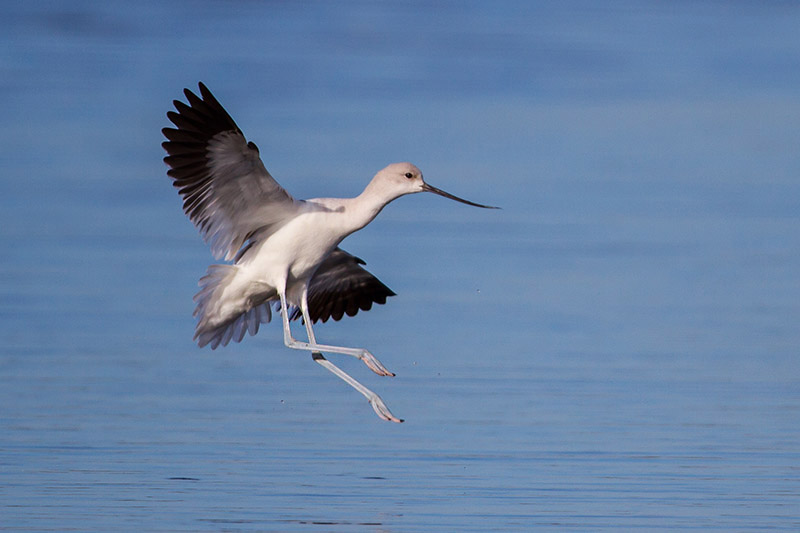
(409, 175)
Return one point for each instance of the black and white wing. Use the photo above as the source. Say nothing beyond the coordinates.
(227, 192)
(340, 285)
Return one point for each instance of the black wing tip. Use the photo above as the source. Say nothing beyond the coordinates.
(204, 91)
(350, 309)
(205, 94)
(201, 89)
(199, 118)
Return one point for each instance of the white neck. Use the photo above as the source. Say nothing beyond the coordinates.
(366, 206)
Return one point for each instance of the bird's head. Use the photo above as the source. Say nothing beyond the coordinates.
(404, 178)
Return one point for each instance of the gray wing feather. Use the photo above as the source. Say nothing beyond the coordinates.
(341, 286)
(227, 192)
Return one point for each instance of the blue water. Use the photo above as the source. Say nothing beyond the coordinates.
(617, 349)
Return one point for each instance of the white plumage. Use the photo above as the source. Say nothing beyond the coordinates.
(284, 251)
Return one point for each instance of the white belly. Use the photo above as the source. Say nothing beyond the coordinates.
(291, 255)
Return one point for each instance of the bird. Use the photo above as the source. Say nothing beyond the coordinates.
(280, 252)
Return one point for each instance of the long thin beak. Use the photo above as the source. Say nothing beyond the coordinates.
(440, 192)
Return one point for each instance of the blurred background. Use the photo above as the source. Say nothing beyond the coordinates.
(617, 348)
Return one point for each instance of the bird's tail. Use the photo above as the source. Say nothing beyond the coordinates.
(216, 326)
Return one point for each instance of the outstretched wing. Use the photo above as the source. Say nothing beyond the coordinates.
(227, 193)
(341, 286)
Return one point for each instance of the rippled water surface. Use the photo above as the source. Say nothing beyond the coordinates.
(615, 349)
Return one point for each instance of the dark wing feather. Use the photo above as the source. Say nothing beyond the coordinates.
(341, 286)
(227, 193)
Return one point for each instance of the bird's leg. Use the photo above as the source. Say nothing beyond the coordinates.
(374, 400)
(370, 360)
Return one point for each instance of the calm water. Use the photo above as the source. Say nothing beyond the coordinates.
(616, 349)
